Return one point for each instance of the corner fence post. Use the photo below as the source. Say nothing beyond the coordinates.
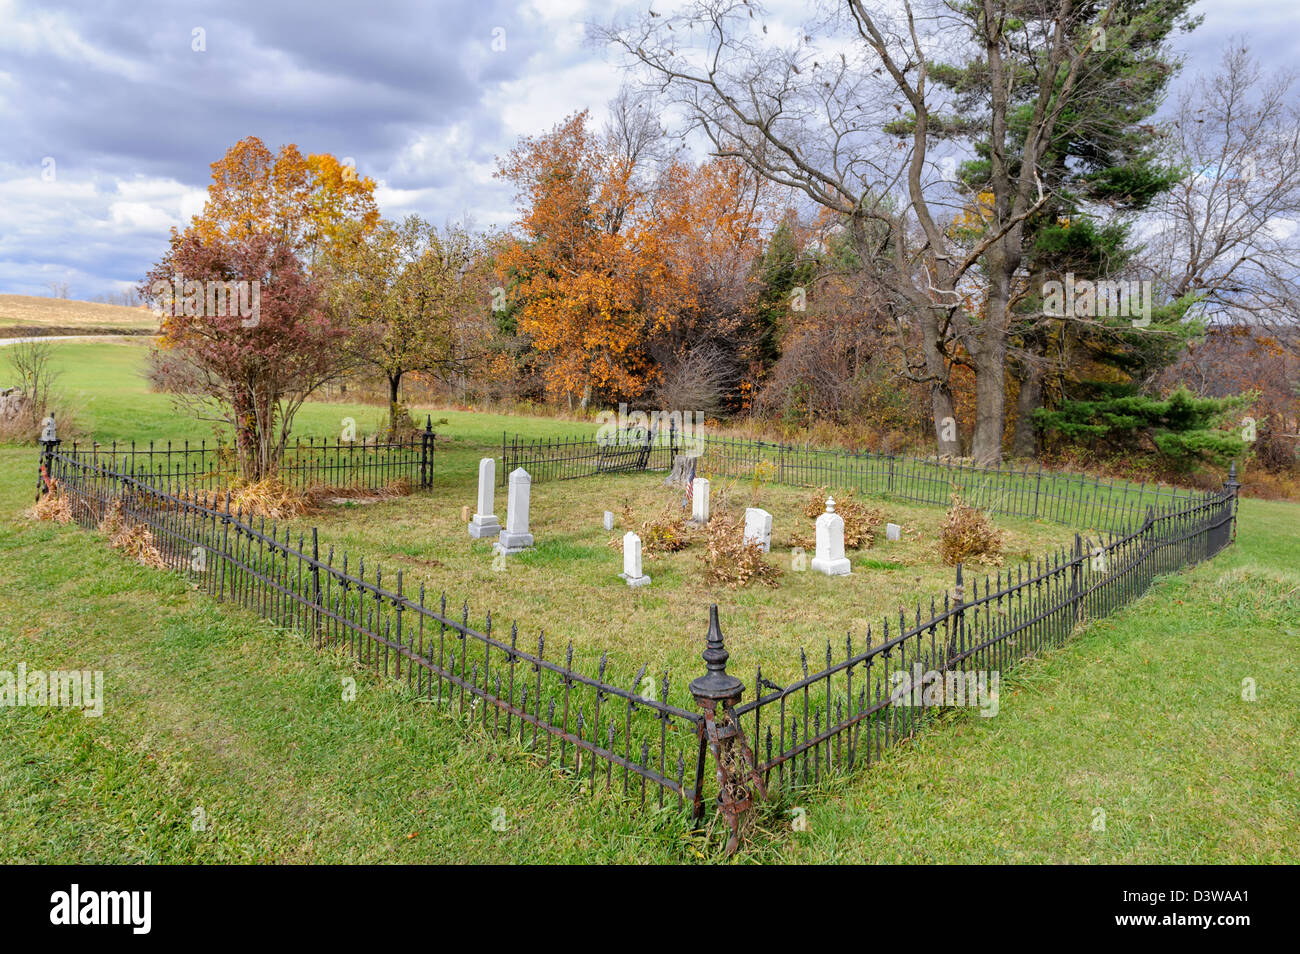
(1232, 486)
(49, 443)
(717, 694)
(426, 454)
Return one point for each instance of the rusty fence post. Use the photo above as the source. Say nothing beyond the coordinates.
(1232, 486)
(49, 444)
(717, 694)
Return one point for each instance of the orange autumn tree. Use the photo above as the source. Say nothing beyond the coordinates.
(591, 273)
(306, 201)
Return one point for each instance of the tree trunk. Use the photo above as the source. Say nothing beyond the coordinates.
(394, 382)
(941, 405)
(1024, 440)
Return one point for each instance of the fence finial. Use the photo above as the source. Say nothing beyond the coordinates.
(720, 731)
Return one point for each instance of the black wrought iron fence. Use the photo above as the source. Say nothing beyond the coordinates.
(1076, 500)
(178, 466)
(864, 699)
(625, 737)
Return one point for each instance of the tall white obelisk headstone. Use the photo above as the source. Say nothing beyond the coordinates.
(830, 557)
(484, 522)
(515, 536)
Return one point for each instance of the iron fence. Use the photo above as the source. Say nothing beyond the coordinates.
(613, 736)
(1076, 500)
(865, 699)
(178, 466)
(626, 738)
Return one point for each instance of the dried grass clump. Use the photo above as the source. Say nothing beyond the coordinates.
(665, 533)
(269, 497)
(137, 543)
(53, 505)
(860, 521)
(967, 532)
(730, 561)
(111, 525)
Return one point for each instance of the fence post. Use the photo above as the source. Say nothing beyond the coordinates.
(1038, 486)
(315, 587)
(426, 454)
(1232, 486)
(1076, 571)
(956, 643)
(738, 779)
(49, 443)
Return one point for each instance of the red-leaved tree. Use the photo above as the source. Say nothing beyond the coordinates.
(250, 371)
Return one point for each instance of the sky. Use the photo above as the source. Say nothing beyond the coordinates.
(111, 111)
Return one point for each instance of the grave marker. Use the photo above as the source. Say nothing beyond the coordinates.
(830, 557)
(484, 523)
(758, 528)
(515, 537)
(632, 561)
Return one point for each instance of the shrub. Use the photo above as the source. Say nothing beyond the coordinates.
(860, 521)
(663, 534)
(966, 532)
(269, 497)
(729, 560)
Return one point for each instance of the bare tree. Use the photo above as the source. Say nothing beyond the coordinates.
(1230, 230)
(854, 121)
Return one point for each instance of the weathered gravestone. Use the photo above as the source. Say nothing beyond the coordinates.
(758, 528)
(484, 522)
(515, 537)
(830, 557)
(609, 520)
(700, 501)
(632, 561)
(893, 532)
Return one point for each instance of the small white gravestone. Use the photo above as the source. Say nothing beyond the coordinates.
(515, 537)
(700, 501)
(830, 557)
(893, 531)
(758, 528)
(609, 520)
(632, 561)
(484, 522)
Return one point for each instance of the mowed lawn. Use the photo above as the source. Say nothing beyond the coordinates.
(226, 740)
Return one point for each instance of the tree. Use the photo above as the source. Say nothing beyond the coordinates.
(853, 124)
(1226, 232)
(1184, 429)
(253, 376)
(304, 202)
(590, 273)
(406, 293)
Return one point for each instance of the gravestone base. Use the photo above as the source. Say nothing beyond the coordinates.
(514, 542)
(484, 525)
(840, 567)
(635, 580)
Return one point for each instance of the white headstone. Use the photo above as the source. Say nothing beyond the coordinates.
(700, 500)
(609, 520)
(484, 523)
(830, 557)
(893, 531)
(515, 536)
(758, 528)
(632, 561)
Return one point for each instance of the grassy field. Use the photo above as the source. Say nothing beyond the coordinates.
(86, 317)
(213, 716)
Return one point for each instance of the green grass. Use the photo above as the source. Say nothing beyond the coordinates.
(1139, 714)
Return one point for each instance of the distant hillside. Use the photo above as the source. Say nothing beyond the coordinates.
(28, 314)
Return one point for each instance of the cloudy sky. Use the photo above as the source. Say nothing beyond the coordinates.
(110, 116)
